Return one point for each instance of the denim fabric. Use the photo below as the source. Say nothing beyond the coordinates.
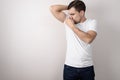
(72, 73)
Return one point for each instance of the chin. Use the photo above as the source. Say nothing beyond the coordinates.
(76, 22)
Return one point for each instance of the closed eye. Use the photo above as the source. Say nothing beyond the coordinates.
(71, 14)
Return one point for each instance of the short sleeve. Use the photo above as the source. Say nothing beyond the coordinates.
(92, 25)
(67, 15)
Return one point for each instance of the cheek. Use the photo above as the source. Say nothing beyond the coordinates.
(77, 18)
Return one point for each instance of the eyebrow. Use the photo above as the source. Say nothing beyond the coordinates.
(71, 13)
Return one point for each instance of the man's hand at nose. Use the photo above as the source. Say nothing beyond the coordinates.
(69, 21)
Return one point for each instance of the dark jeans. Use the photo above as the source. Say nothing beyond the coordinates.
(72, 73)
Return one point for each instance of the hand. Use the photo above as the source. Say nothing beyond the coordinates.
(69, 21)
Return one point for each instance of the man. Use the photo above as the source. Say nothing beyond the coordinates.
(80, 33)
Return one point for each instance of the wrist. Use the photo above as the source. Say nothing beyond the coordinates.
(73, 27)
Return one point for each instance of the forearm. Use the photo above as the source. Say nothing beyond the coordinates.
(82, 35)
(59, 8)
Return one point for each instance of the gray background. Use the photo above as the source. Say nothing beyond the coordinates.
(33, 45)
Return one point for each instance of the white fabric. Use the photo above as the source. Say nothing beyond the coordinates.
(79, 53)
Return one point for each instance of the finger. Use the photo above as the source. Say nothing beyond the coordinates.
(70, 17)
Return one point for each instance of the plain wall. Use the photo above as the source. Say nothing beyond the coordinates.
(33, 45)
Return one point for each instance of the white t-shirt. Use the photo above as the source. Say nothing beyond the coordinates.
(79, 53)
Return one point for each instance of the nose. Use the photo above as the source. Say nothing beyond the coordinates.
(71, 17)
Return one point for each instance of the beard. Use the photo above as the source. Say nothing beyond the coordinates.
(75, 22)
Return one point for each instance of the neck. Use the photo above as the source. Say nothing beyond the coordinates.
(83, 19)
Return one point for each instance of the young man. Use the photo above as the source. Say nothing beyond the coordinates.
(80, 33)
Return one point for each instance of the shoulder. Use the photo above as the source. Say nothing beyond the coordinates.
(92, 25)
(92, 21)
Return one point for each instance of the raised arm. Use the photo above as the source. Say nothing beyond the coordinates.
(57, 11)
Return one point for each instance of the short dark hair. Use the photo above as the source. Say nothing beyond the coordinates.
(78, 5)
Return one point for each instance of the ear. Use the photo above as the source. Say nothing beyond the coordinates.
(82, 13)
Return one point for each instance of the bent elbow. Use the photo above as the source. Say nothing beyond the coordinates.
(89, 41)
(53, 8)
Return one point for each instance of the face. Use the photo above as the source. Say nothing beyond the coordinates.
(75, 15)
